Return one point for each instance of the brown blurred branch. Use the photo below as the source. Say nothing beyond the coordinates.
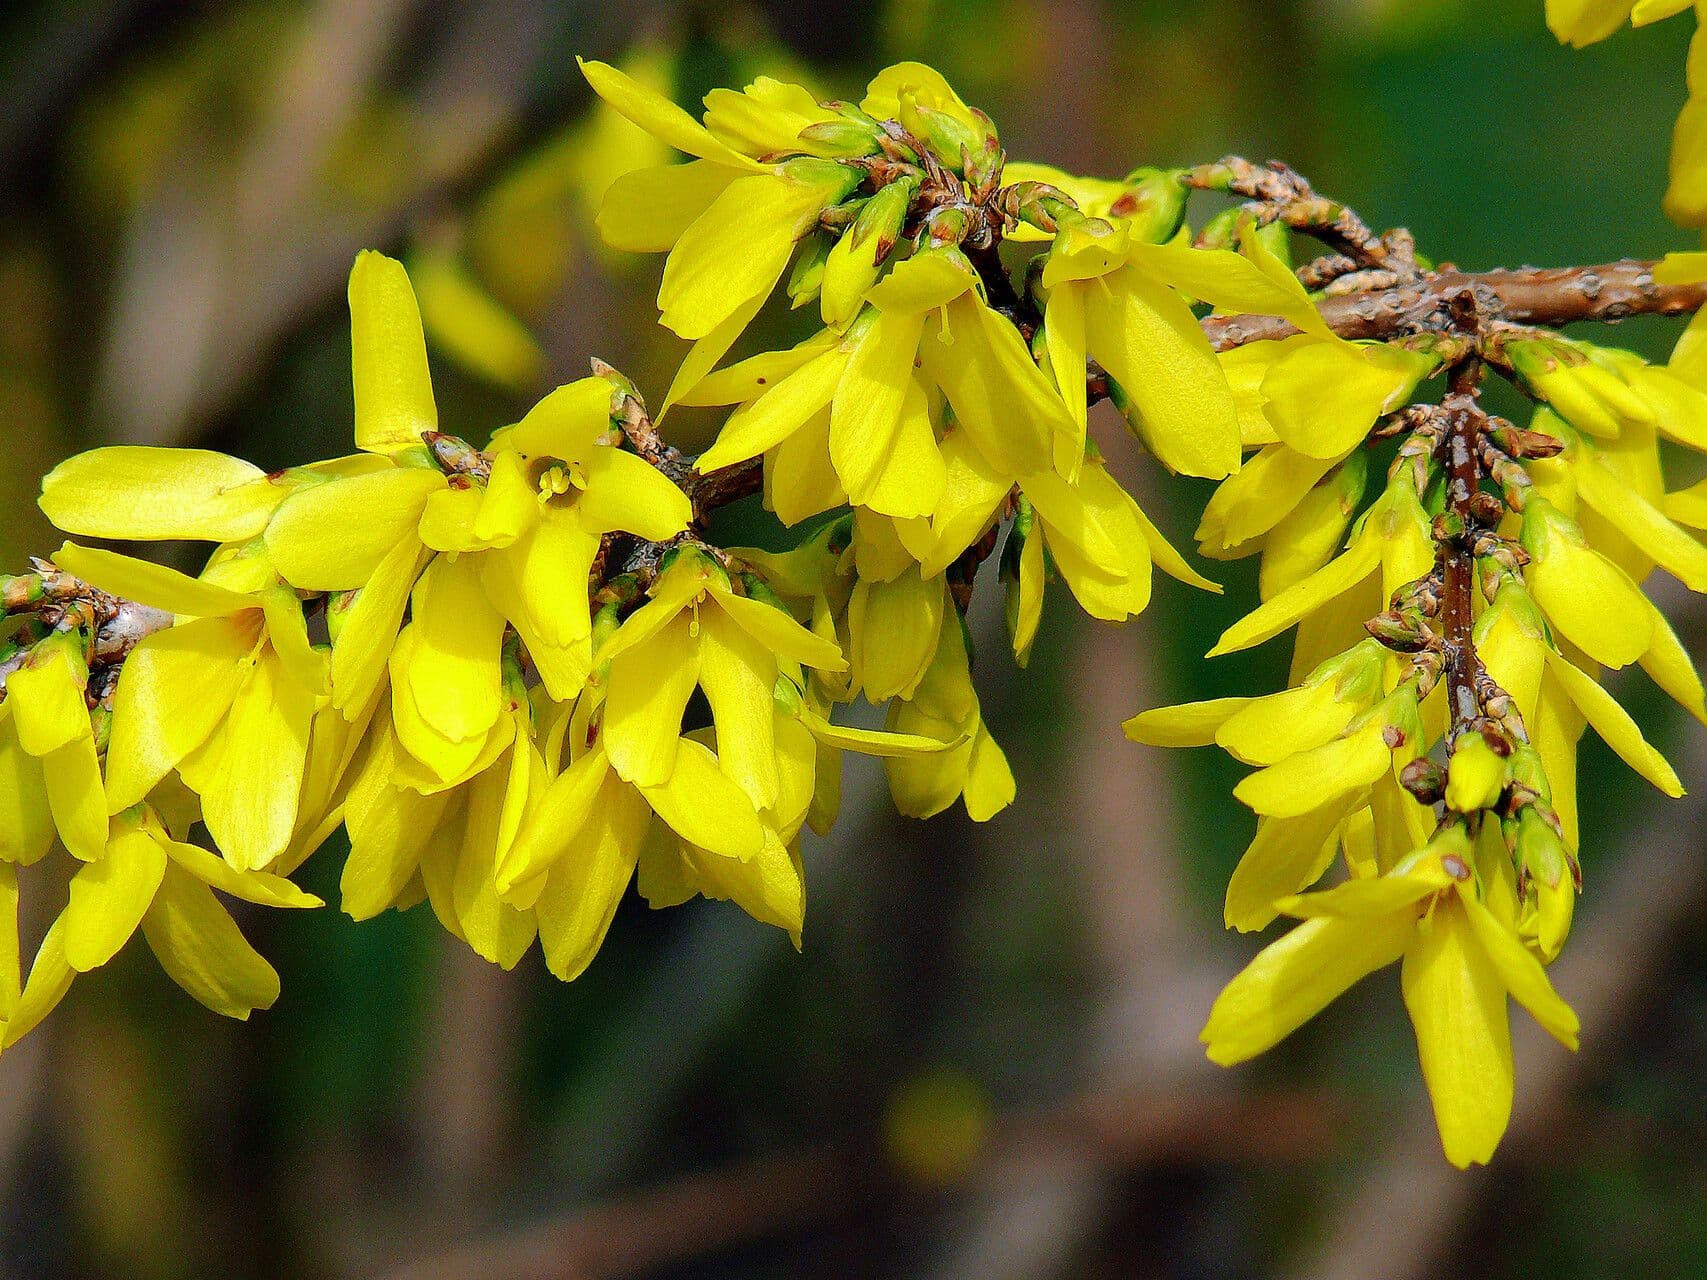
(703, 1212)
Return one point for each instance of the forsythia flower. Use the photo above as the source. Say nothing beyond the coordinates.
(1460, 962)
(224, 699)
(696, 630)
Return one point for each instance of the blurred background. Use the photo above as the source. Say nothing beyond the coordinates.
(985, 1062)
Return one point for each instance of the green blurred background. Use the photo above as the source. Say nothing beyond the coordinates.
(985, 1062)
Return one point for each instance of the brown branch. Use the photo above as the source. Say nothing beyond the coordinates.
(1462, 457)
(1548, 296)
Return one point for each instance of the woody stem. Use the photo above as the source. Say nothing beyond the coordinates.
(1462, 456)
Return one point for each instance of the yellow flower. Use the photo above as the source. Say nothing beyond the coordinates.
(928, 334)
(140, 493)
(146, 879)
(47, 751)
(1330, 749)
(1391, 545)
(729, 222)
(696, 630)
(945, 707)
(573, 858)
(1460, 962)
(224, 698)
(1116, 298)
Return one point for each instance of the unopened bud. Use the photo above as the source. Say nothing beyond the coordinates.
(948, 137)
(1475, 776)
(1153, 204)
(807, 278)
(1424, 779)
(851, 267)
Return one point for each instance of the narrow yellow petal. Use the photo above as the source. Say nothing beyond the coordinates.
(1294, 978)
(109, 897)
(1458, 1006)
(1614, 725)
(388, 357)
(649, 688)
(706, 808)
(333, 536)
(1522, 974)
(151, 584)
(202, 950)
(1190, 724)
(142, 493)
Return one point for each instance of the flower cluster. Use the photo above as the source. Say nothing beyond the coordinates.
(523, 675)
(1450, 633)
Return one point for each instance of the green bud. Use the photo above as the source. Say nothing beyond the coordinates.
(852, 265)
(807, 278)
(1551, 871)
(1221, 231)
(1153, 204)
(842, 137)
(947, 137)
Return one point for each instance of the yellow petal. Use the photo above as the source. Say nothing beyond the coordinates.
(785, 637)
(1190, 724)
(1614, 725)
(261, 887)
(454, 677)
(369, 629)
(1522, 974)
(705, 807)
(738, 674)
(1668, 664)
(137, 492)
(175, 689)
(1334, 579)
(1286, 856)
(1311, 778)
(735, 251)
(202, 950)
(646, 210)
(1324, 397)
(588, 880)
(388, 826)
(1643, 523)
(249, 774)
(865, 417)
(1147, 338)
(26, 821)
(50, 979)
(388, 357)
(333, 536)
(1589, 599)
(1458, 1006)
(151, 584)
(649, 687)
(1294, 978)
(625, 492)
(658, 116)
(109, 897)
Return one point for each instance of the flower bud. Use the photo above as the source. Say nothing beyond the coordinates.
(947, 137)
(1475, 776)
(1550, 869)
(807, 278)
(1153, 204)
(851, 267)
